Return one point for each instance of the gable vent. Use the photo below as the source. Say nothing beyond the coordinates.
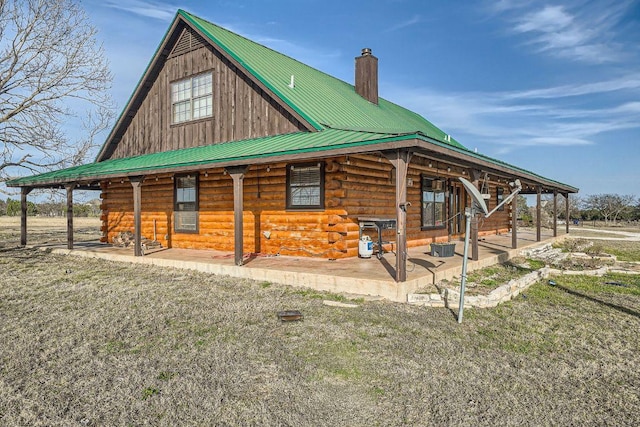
(189, 40)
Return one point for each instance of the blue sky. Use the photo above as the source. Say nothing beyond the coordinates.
(549, 86)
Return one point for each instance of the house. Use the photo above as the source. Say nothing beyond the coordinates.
(226, 144)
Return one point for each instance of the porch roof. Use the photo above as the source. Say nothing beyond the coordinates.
(287, 147)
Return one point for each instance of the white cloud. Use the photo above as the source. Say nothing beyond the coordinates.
(148, 9)
(623, 83)
(415, 19)
(500, 122)
(584, 32)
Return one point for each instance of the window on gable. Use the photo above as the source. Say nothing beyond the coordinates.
(186, 204)
(305, 186)
(192, 98)
(433, 202)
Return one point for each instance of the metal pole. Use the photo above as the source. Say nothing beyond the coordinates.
(463, 282)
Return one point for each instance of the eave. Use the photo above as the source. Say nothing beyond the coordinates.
(181, 161)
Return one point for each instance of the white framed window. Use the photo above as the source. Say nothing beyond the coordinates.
(186, 203)
(192, 98)
(433, 202)
(305, 186)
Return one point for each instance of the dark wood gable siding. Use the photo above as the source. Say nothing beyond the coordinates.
(241, 109)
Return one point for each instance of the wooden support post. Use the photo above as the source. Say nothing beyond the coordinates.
(566, 211)
(69, 188)
(136, 183)
(475, 250)
(237, 174)
(555, 213)
(514, 223)
(400, 159)
(538, 214)
(23, 214)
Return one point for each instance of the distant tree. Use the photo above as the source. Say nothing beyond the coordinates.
(81, 210)
(51, 208)
(14, 209)
(522, 212)
(3, 207)
(575, 202)
(547, 207)
(635, 212)
(95, 206)
(52, 72)
(610, 206)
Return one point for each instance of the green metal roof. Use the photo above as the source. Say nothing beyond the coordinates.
(243, 152)
(286, 144)
(325, 101)
(342, 118)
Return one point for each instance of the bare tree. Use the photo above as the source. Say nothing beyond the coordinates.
(574, 206)
(610, 206)
(54, 79)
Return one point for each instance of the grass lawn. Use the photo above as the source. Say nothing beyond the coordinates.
(89, 342)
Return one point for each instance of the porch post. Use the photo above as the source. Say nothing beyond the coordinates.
(23, 214)
(237, 174)
(538, 213)
(69, 188)
(555, 213)
(400, 159)
(475, 250)
(514, 223)
(136, 183)
(566, 213)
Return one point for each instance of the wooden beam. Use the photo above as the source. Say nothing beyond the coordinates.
(555, 213)
(69, 188)
(136, 183)
(237, 174)
(514, 223)
(538, 214)
(475, 175)
(566, 211)
(23, 214)
(400, 160)
(473, 236)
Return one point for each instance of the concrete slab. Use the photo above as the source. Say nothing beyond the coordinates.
(371, 277)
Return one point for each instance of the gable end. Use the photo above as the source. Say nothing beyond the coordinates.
(189, 40)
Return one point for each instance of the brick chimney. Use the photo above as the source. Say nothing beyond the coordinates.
(367, 76)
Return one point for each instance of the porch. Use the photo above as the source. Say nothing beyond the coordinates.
(373, 277)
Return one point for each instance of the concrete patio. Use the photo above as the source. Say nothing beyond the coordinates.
(372, 276)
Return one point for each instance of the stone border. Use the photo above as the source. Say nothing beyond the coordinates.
(450, 298)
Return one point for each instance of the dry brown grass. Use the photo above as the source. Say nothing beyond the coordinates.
(46, 230)
(91, 342)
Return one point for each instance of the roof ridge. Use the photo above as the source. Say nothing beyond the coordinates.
(385, 117)
(262, 45)
(193, 19)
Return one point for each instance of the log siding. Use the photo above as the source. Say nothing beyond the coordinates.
(355, 186)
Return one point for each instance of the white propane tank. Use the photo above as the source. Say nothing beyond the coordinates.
(365, 247)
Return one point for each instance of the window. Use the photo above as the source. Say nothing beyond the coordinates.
(499, 197)
(186, 204)
(305, 186)
(433, 203)
(192, 98)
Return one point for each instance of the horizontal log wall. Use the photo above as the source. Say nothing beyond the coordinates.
(370, 183)
(241, 110)
(268, 227)
(499, 221)
(355, 186)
